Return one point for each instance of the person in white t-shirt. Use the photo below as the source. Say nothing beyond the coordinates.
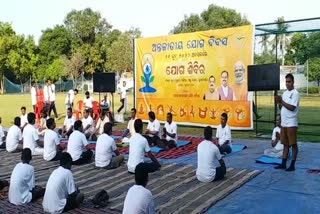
(33, 92)
(208, 153)
(289, 105)
(68, 124)
(70, 98)
(153, 132)
(170, 136)
(277, 148)
(51, 142)
(22, 188)
(130, 128)
(24, 118)
(88, 102)
(61, 193)
(87, 122)
(14, 137)
(52, 98)
(98, 130)
(105, 102)
(77, 140)
(138, 146)
(2, 136)
(123, 96)
(223, 135)
(139, 199)
(107, 154)
(30, 136)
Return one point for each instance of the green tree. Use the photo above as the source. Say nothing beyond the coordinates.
(56, 69)
(75, 66)
(281, 40)
(53, 43)
(22, 59)
(7, 43)
(89, 33)
(314, 70)
(265, 43)
(298, 50)
(215, 17)
(264, 58)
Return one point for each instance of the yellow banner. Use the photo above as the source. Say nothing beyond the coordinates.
(196, 76)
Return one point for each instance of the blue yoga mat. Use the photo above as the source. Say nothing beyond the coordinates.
(268, 160)
(236, 148)
(180, 143)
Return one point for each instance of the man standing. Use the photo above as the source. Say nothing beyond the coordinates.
(52, 99)
(240, 86)
(70, 98)
(123, 96)
(225, 92)
(289, 105)
(33, 92)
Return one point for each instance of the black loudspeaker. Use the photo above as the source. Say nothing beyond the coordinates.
(104, 82)
(264, 77)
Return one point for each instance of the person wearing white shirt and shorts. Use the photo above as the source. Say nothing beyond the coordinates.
(289, 105)
(138, 146)
(77, 140)
(22, 189)
(170, 136)
(61, 193)
(153, 133)
(14, 137)
(208, 153)
(139, 199)
(223, 135)
(107, 155)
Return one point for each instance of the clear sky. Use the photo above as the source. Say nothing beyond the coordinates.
(153, 17)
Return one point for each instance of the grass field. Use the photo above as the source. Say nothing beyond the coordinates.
(309, 114)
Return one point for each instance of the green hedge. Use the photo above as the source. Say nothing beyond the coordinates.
(311, 90)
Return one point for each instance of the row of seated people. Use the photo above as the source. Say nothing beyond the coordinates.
(70, 197)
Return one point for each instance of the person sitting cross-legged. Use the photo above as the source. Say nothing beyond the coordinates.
(153, 132)
(30, 136)
(76, 141)
(61, 193)
(22, 188)
(223, 135)
(139, 199)
(68, 123)
(277, 148)
(14, 137)
(129, 131)
(105, 148)
(51, 142)
(138, 146)
(207, 153)
(98, 130)
(169, 137)
(87, 122)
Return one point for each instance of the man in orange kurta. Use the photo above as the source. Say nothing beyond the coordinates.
(240, 86)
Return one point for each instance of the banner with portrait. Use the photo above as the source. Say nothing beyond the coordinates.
(195, 76)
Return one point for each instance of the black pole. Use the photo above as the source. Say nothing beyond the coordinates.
(112, 108)
(276, 92)
(256, 110)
